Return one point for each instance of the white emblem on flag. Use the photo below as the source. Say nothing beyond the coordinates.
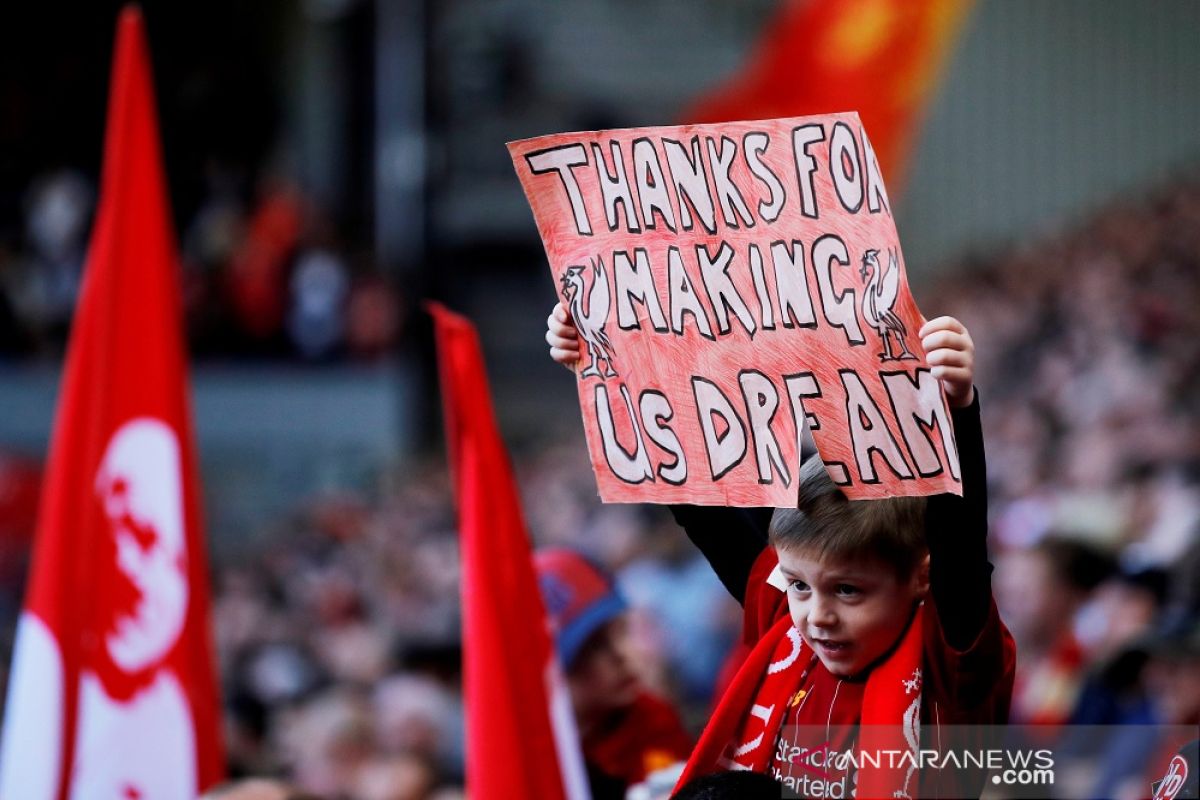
(140, 746)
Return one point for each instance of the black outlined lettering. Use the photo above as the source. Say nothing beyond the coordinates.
(563, 159)
(797, 387)
(803, 138)
(682, 297)
(837, 308)
(656, 412)
(837, 472)
(614, 188)
(728, 194)
(843, 154)
(754, 144)
(724, 451)
(629, 467)
(800, 386)
(635, 283)
(765, 309)
(722, 294)
(691, 184)
(791, 283)
(651, 185)
(762, 401)
(919, 408)
(869, 432)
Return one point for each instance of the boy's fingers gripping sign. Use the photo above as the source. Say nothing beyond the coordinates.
(951, 354)
(562, 337)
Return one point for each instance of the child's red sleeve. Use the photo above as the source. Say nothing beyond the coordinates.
(972, 684)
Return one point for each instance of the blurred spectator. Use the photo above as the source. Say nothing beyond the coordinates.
(327, 741)
(1123, 608)
(374, 318)
(684, 611)
(20, 486)
(401, 777)
(414, 714)
(209, 243)
(257, 274)
(1173, 674)
(1039, 592)
(58, 211)
(260, 278)
(256, 789)
(625, 732)
(1136, 757)
(317, 315)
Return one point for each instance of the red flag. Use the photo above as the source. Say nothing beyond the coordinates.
(521, 739)
(112, 691)
(880, 58)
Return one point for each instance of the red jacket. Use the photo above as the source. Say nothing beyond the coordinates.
(643, 738)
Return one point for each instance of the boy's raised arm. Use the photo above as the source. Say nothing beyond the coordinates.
(956, 527)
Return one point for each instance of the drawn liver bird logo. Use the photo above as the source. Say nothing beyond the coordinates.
(591, 322)
(878, 301)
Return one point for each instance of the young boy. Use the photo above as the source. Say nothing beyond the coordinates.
(626, 733)
(872, 623)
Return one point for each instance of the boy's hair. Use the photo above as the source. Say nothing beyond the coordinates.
(826, 525)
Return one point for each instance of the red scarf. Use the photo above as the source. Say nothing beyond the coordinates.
(742, 732)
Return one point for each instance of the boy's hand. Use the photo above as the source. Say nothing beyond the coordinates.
(562, 337)
(951, 353)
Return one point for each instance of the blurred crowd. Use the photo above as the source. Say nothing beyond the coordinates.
(339, 644)
(338, 639)
(264, 275)
(1089, 372)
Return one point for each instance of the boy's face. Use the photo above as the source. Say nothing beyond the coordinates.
(850, 612)
(601, 678)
